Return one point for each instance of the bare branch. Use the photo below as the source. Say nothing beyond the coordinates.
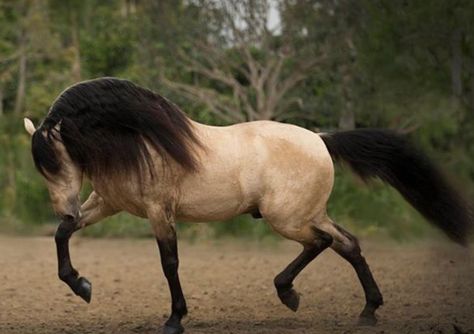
(10, 58)
(271, 68)
(209, 98)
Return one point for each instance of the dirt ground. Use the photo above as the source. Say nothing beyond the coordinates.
(428, 288)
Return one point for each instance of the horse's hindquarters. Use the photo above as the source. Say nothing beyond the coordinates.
(298, 181)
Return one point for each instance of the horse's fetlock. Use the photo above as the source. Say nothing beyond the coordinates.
(281, 282)
(374, 300)
(66, 274)
(378, 300)
(63, 276)
(181, 308)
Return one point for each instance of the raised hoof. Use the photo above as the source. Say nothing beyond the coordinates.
(84, 289)
(291, 299)
(367, 320)
(173, 330)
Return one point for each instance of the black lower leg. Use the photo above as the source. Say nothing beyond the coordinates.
(79, 285)
(284, 280)
(373, 296)
(169, 261)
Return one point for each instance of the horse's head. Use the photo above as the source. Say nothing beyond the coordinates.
(63, 178)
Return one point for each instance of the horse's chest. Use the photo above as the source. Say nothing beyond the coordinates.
(122, 196)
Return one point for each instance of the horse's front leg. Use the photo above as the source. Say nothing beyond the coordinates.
(166, 237)
(80, 285)
(93, 210)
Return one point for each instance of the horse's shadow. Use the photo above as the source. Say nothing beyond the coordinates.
(227, 326)
(273, 325)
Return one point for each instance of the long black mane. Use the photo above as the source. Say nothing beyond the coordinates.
(105, 125)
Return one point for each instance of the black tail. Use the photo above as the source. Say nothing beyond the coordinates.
(390, 157)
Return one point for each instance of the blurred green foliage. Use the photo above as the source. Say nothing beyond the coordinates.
(405, 65)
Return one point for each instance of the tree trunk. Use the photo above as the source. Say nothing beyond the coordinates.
(20, 93)
(76, 65)
(10, 188)
(1, 100)
(347, 117)
(456, 63)
(471, 83)
(128, 7)
(265, 114)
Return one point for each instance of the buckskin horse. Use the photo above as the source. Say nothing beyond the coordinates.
(142, 155)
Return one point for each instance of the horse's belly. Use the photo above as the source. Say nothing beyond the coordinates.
(209, 208)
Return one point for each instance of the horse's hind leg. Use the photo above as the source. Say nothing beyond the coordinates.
(284, 280)
(93, 210)
(346, 245)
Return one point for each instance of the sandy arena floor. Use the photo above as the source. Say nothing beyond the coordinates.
(428, 288)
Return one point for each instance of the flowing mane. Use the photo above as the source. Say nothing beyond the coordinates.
(105, 124)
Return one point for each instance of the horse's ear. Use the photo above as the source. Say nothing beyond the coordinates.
(29, 126)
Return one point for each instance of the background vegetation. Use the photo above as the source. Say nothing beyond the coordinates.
(321, 64)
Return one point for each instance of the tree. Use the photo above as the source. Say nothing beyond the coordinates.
(244, 70)
(8, 52)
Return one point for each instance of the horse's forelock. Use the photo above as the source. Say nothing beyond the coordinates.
(44, 154)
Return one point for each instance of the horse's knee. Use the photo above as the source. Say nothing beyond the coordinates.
(62, 234)
(65, 229)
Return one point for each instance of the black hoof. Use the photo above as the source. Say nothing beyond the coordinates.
(367, 320)
(291, 299)
(173, 329)
(84, 289)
